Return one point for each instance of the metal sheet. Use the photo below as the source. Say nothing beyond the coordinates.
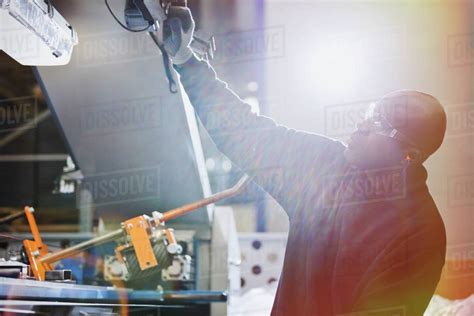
(21, 290)
(135, 142)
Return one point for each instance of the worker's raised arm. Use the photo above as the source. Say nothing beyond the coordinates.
(276, 156)
(255, 143)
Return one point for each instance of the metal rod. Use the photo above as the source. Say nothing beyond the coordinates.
(182, 210)
(10, 218)
(74, 250)
(36, 157)
(24, 128)
(177, 212)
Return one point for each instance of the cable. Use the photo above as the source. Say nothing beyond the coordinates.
(167, 63)
(7, 236)
(120, 23)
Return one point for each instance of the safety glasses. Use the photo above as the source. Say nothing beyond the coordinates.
(378, 124)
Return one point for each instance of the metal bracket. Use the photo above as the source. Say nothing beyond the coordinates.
(203, 45)
(139, 230)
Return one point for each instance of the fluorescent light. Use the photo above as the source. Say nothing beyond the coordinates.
(34, 33)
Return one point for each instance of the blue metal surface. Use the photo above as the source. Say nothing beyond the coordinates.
(50, 291)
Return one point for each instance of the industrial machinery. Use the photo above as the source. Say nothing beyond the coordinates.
(140, 240)
(145, 247)
(133, 146)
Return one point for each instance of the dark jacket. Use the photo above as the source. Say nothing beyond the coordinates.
(359, 240)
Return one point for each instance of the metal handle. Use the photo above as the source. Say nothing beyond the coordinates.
(116, 234)
(182, 210)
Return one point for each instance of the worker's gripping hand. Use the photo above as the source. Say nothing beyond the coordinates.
(178, 31)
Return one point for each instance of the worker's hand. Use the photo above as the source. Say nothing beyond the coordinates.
(178, 31)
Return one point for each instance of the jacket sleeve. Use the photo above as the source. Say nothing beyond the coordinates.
(277, 157)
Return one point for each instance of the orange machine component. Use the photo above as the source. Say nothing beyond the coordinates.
(170, 236)
(172, 245)
(118, 252)
(138, 228)
(35, 249)
(139, 231)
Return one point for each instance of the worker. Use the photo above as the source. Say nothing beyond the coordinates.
(365, 234)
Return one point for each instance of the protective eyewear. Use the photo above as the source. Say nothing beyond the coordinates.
(380, 125)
